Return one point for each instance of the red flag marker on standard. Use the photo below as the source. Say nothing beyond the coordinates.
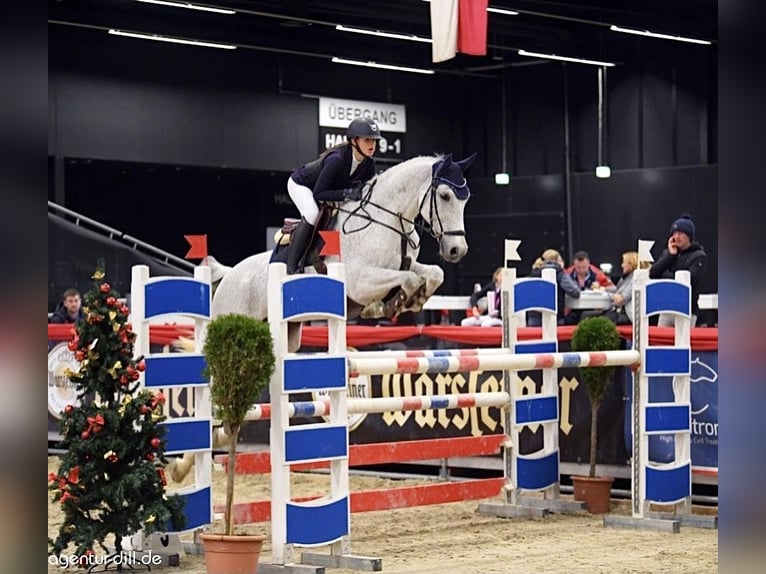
(198, 249)
(331, 243)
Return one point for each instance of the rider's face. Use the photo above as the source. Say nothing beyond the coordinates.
(367, 145)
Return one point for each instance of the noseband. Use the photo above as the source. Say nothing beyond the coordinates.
(461, 191)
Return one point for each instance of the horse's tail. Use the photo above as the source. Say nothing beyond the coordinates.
(217, 269)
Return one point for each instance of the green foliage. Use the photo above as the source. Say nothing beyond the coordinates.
(111, 477)
(240, 360)
(596, 334)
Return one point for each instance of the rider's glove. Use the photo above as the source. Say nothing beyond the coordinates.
(352, 194)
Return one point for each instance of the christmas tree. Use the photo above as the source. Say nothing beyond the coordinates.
(111, 478)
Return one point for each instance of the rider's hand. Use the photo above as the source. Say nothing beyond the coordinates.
(352, 194)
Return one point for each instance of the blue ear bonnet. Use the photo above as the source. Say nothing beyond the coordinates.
(450, 173)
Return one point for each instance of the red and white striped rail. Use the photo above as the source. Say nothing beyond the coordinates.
(360, 364)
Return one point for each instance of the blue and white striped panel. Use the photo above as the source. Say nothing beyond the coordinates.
(187, 435)
(318, 523)
(536, 409)
(669, 485)
(198, 509)
(313, 373)
(664, 295)
(667, 361)
(174, 370)
(537, 473)
(177, 295)
(304, 443)
(313, 296)
(668, 418)
(533, 293)
(535, 347)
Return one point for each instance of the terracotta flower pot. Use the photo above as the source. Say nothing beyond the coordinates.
(232, 554)
(594, 492)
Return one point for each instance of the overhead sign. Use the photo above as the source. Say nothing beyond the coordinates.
(337, 113)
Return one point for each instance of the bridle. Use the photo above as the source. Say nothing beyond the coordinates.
(461, 191)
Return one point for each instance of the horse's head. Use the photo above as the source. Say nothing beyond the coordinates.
(447, 196)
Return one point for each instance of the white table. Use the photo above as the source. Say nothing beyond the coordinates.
(449, 302)
(589, 300)
(708, 301)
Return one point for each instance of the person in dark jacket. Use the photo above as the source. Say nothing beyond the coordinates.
(337, 175)
(551, 259)
(69, 309)
(681, 254)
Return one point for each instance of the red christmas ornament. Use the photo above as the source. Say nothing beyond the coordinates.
(150, 456)
(141, 365)
(155, 442)
(72, 345)
(123, 380)
(124, 310)
(79, 355)
(161, 472)
(68, 409)
(111, 301)
(105, 287)
(145, 410)
(84, 435)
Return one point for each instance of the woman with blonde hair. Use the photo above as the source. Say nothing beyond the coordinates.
(620, 311)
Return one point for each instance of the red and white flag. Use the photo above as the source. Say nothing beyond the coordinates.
(458, 26)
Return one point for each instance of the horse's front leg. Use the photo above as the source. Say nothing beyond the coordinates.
(430, 277)
(375, 282)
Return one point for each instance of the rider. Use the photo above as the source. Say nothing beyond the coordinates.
(337, 175)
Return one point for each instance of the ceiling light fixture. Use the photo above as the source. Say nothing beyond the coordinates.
(563, 58)
(502, 11)
(370, 64)
(158, 38)
(394, 35)
(189, 6)
(656, 35)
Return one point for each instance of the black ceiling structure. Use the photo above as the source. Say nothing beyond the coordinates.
(307, 29)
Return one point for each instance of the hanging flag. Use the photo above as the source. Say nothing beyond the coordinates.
(443, 29)
(198, 249)
(331, 243)
(458, 26)
(472, 27)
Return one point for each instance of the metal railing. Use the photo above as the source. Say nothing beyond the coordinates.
(116, 235)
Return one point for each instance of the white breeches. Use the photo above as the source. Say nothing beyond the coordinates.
(303, 198)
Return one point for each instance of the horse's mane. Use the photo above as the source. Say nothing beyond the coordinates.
(398, 171)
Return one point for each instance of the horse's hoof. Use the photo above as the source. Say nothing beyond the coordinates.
(372, 311)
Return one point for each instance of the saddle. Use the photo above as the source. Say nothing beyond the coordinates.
(326, 220)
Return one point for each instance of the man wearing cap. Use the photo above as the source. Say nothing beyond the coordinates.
(682, 254)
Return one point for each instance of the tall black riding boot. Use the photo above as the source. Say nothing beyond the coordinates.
(299, 242)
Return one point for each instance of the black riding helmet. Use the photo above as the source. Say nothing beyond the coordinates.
(363, 128)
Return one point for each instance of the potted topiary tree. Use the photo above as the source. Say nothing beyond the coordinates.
(595, 334)
(239, 351)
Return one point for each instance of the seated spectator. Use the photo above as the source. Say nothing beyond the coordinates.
(69, 309)
(552, 260)
(492, 291)
(620, 312)
(586, 276)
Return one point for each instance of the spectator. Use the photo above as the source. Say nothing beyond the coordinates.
(681, 254)
(69, 309)
(620, 311)
(492, 291)
(552, 260)
(586, 276)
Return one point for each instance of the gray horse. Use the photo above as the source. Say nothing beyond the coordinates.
(379, 243)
